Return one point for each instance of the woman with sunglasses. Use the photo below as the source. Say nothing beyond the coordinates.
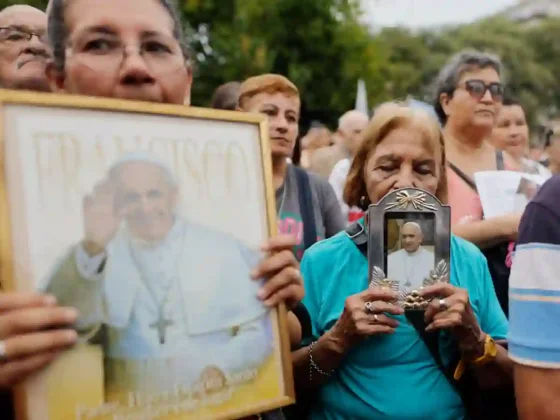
(469, 95)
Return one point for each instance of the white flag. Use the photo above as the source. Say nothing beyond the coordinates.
(361, 98)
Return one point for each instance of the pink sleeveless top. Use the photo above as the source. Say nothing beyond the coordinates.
(466, 206)
(464, 201)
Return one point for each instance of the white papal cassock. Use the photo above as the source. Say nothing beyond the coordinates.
(410, 268)
(204, 278)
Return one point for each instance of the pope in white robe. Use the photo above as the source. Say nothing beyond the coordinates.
(174, 300)
(413, 263)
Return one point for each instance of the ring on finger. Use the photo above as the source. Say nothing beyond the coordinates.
(3, 352)
(369, 307)
(375, 318)
(442, 305)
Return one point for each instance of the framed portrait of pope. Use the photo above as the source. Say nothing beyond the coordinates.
(409, 234)
(148, 220)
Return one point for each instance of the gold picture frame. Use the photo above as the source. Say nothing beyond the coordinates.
(26, 113)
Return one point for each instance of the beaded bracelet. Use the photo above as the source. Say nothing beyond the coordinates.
(313, 365)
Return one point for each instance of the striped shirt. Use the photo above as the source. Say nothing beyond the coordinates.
(534, 335)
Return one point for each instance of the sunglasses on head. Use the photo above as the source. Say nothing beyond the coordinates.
(477, 89)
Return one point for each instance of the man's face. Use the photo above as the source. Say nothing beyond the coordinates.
(146, 198)
(24, 51)
(127, 55)
(411, 238)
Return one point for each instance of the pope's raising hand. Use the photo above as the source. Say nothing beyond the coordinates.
(101, 217)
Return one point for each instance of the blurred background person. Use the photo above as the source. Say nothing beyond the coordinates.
(468, 100)
(350, 127)
(511, 135)
(535, 152)
(225, 96)
(316, 138)
(345, 144)
(306, 204)
(552, 150)
(24, 48)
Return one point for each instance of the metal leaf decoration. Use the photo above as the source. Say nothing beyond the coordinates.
(440, 273)
(378, 280)
(416, 199)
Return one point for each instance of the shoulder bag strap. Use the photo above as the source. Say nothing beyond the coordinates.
(467, 179)
(500, 166)
(305, 199)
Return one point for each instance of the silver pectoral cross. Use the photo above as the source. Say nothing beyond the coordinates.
(161, 326)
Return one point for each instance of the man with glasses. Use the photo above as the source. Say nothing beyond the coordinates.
(24, 48)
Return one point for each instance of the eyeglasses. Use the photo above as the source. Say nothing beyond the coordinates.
(477, 89)
(108, 53)
(17, 35)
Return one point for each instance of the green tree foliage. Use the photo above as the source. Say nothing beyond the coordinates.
(40, 4)
(415, 59)
(324, 48)
(319, 44)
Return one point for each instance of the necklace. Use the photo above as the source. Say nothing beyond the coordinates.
(161, 323)
(408, 271)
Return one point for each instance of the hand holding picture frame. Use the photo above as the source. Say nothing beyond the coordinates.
(148, 219)
(408, 244)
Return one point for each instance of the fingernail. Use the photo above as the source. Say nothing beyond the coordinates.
(255, 274)
(429, 328)
(264, 247)
(70, 314)
(71, 336)
(49, 300)
(261, 294)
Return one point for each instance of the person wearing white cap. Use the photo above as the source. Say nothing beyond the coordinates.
(413, 263)
(175, 299)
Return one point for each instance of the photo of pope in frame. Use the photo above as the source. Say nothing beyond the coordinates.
(148, 220)
(409, 239)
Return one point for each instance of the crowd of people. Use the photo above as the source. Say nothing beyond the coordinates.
(354, 354)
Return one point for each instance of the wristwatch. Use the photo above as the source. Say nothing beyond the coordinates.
(490, 352)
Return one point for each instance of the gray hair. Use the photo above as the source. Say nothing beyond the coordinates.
(58, 31)
(451, 73)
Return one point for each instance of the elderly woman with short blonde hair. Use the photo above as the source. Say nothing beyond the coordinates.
(365, 360)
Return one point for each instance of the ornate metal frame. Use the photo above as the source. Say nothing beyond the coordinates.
(400, 203)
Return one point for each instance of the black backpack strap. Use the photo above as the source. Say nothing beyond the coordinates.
(305, 199)
(357, 233)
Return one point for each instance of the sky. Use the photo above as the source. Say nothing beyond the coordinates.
(427, 13)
